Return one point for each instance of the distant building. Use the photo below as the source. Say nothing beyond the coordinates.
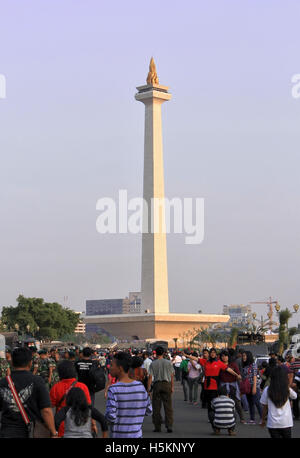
(131, 304)
(239, 314)
(135, 301)
(97, 329)
(104, 307)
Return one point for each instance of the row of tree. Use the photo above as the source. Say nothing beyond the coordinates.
(210, 336)
(43, 320)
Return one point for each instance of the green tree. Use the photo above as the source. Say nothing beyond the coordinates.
(233, 337)
(203, 336)
(284, 317)
(52, 319)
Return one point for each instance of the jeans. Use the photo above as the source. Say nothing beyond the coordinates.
(177, 373)
(238, 408)
(193, 389)
(280, 433)
(185, 385)
(253, 400)
(244, 403)
(202, 396)
(209, 396)
(296, 404)
(296, 408)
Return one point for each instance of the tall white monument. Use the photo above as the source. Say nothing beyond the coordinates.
(158, 323)
(155, 293)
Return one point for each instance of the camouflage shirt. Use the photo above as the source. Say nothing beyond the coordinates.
(44, 365)
(35, 362)
(55, 376)
(102, 361)
(3, 367)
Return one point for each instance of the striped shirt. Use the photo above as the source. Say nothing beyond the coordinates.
(295, 366)
(224, 409)
(127, 404)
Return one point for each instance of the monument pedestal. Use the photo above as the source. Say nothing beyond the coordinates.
(160, 326)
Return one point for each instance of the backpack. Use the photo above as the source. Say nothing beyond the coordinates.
(98, 378)
(184, 366)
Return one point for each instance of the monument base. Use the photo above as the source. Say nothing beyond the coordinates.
(153, 326)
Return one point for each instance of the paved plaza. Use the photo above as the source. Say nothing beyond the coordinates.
(191, 422)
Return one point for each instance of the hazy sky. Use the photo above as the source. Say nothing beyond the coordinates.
(71, 133)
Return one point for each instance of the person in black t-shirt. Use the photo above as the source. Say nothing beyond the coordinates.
(33, 394)
(83, 368)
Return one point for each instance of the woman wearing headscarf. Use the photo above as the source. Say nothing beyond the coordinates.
(249, 385)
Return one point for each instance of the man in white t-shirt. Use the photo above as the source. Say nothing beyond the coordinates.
(147, 362)
(176, 362)
(280, 419)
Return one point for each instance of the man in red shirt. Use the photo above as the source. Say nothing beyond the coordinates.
(58, 393)
(212, 368)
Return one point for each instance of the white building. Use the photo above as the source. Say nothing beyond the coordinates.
(239, 314)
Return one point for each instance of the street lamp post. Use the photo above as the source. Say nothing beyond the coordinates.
(175, 340)
(262, 322)
(295, 307)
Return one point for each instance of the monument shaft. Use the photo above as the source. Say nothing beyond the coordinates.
(155, 294)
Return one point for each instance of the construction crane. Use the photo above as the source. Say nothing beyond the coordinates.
(270, 313)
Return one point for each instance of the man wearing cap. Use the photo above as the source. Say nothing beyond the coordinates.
(54, 359)
(45, 367)
(35, 360)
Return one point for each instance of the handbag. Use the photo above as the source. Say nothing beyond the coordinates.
(35, 429)
(245, 385)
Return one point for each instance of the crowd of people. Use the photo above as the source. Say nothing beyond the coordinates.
(52, 393)
(231, 384)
